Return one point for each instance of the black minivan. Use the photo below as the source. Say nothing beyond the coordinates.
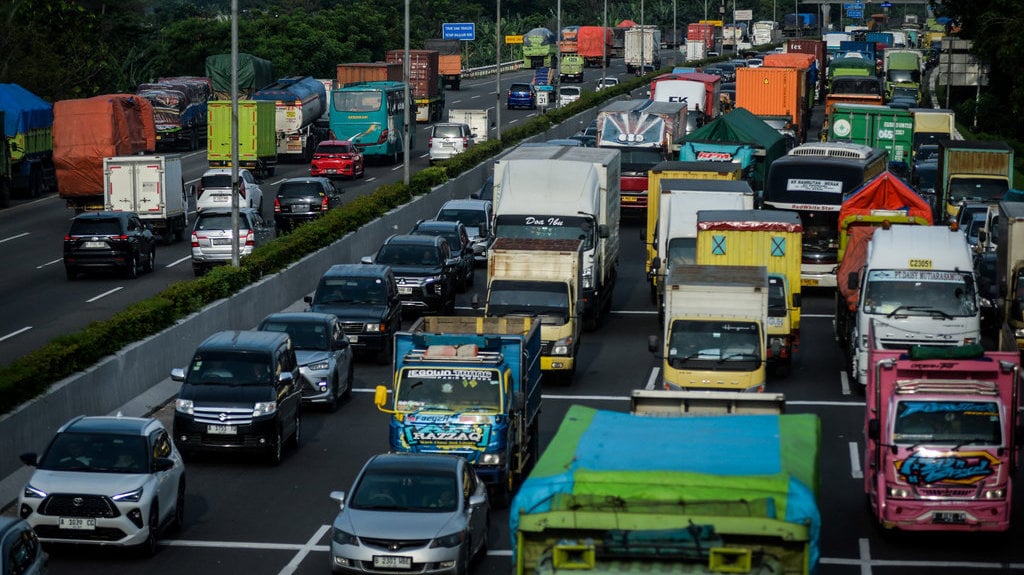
(241, 391)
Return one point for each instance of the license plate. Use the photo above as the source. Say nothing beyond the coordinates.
(332, 171)
(948, 517)
(221, 241)
(78, 523)
(775, 321)
(392, 562)
(628, 199)
(404, 291)
(353, 339)
(298, 208)
(95, 245)
(448, 144)
(221, 430)
(808, 282)
(221, 199)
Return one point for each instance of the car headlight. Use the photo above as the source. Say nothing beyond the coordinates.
(183, 406)
(491, 459)
(33, 493)
(452, 540)
(374, 328)
(133, 496)
(319, 366)
(264, 408)
(1018, 333)
(343, 537)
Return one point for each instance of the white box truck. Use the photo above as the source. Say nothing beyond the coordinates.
(478, 120)
(152, 187)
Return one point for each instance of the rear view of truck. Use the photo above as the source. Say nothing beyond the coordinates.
(26, 164)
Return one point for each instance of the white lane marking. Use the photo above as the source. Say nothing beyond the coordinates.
(293, 565)
(178, 261)
(370, 179)
(653, 378)
(104, 294)
(864, 546)
(7, 239)
(844, 382)
(819, 315)
(513, 121)
(50, 263)
(855, 469)
(14, 333)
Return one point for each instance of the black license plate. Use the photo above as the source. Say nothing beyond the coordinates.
(949, 517)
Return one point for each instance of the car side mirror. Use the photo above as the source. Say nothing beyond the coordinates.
(163, 464)
(796, 300)
(652, 343)
(366, 259)
(308, 299)
(31, 459)
(178, 374)
(285, 377)
(852, 280)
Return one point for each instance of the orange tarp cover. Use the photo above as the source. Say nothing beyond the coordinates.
(885, 192)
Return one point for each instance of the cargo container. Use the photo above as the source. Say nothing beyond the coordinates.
(876, 126)
(811, 46)
(425, 82)
(369, 72)
(257, 135)
(449, 61)
(775, 93)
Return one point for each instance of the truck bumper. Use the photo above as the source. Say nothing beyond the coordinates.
(557, 363)
(910, 515)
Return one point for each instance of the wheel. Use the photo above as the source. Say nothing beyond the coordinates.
(297, 434)
(150, 266)
(274, 453)
(349, 382)
(178, 521)
(132, 272)
(148, 547)
(71, 273)
(332, 400)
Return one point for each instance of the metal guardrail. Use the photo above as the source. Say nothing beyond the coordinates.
(489, 70)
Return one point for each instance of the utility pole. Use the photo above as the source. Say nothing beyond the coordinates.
(497, 74)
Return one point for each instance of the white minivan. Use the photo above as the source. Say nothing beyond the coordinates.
(214, 190)
(448, 139)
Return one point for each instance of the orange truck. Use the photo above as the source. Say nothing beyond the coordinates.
(800, 61)
(449, 60)
(776, 95)
(594, 43)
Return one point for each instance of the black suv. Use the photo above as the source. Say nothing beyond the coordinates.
(300, 200)
(109, 241)
(365, 299)
(425, 271)
(457, 236)
(242, 392)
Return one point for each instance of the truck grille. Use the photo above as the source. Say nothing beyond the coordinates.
(223, 415)
(951, 493)
(908, 343)
(77, 505)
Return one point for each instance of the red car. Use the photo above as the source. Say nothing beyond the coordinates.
(337, 158)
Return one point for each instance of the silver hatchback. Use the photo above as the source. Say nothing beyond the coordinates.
(212, 237)
(448, 139)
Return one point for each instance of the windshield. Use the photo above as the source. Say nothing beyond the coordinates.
(642, 159)
(100, 452)
(451, 388)
(821, 232)
(219, 221)
(976, 189)
(925, 175)
(304, 334)
(95, 227)
(401, 255)
(469, 218)
(681, 252)
(357, 100)
(300, 189)
(947, 422)
(406, 490)
(714, 345)
(554, 228)
(351, 290)
(904, 76)
(227, 368)
(548, 300)
(920, 293)
(776, 297)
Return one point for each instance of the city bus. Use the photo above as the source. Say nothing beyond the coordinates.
(812, 180)
(372, 116)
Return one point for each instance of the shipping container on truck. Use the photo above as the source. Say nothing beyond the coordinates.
(775, 93)
(369, 72)
(257, 135)
(706, 33)
(425, 82)
(815, 47)
(800, 61)
(883, 127)
(449, 60)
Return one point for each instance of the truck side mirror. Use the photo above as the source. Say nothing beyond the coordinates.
(380, 396)
(982, 236)
(655, 264)
(796, 300)
(475, 301)
(874, 429)
(852, 280)
(602, 230)
(652, 343)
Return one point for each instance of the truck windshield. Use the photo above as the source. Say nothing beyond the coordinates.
(947, 422)
(777, 304)
(546, 227)
(447, 388)
(910, 76)
(714, 345)
(548, 300)
(681, 252)
(976, 189)
(936, 294)
(638, 159)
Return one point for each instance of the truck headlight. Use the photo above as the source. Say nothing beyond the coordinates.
(264, 408)
(995, 494)
(562, 346)
(491, 459)
(588, 278)
(374, 327)
(1018, 333)
(898, 492)
(184, 406)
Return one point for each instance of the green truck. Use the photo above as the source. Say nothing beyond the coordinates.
(26, 162)
(876, 126)
(257, 135)
(571, 68)
(902, 70)
(540, 48)
(685, 483)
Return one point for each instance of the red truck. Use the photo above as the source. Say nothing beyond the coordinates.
(594, 43)
(701, 92)
(703, 32)
(941, 430)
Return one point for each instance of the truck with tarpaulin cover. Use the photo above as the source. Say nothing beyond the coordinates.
(941, 434)
(253, 73)
(179, 110)
(885, 200)
(85, 131)
(761, 238)
(257, 135)
(26, 164)
(749, 498)
(644, 132)
(540, 48)
(299, 104)
(468, 386)
(594, 43)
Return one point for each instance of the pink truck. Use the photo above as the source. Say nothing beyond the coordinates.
(940, 431)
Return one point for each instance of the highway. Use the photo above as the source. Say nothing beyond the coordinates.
(243, 516)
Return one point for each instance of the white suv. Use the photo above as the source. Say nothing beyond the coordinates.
(448, 139)
(568, 95)
(215, 190)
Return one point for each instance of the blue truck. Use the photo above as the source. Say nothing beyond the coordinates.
(866, 49)
(469, 386)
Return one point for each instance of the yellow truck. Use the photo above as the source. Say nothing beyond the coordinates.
(769, 238)
(714, 335)
(543, 278)
(676, 170)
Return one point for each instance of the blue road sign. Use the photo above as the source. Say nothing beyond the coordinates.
(459, 31)
(886, 4)
(853, 6)
(855, 13)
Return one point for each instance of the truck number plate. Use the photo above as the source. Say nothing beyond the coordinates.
(222, 430)
(392, 562)
(95, 245)
(78, 523)
(949, 517)
(806, 282)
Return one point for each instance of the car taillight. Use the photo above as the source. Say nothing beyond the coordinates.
(465, 142)
(323, 203)
(277, 205)
(121, 237)
(241, 189)
(195, 240)
(250, 238)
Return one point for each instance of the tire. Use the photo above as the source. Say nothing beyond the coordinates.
(350, 381)
(274, 454)
(297, 434)
(332, 402)
(148, 547)
(178, 521)
(132, 271)
(150, 265)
